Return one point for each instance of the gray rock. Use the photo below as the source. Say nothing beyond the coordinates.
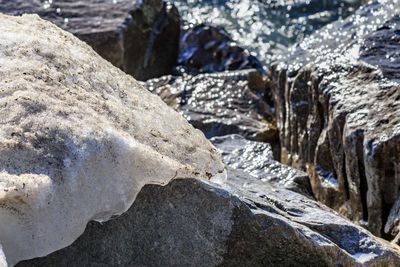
(140, 37)
(244, 222)
(221, 103)
(256, 158)
(337, 98)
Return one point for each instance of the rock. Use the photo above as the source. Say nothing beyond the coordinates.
(207, 49)
(243, 222)
(337, 103)
(140, 37)
(381, 47)
(393, 223)
(78, 139)
(220, 104)
(257, 159)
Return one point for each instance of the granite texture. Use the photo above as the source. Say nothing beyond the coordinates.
(242, 222)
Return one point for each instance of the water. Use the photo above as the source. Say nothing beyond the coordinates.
(266, 28)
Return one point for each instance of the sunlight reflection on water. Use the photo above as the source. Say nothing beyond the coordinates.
(266, 27)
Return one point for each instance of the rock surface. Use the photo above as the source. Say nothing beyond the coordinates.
(244, 222)
(337, 98)
(221, 103)
(257, 159)
(207, 49)
(392, 226)
(140, 37)
(78, 139)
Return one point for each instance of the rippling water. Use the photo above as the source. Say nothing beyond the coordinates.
(266, 27)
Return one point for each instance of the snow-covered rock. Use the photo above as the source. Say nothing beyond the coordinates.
(3, 261)
(79, 139)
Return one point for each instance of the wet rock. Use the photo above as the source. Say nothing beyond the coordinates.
(78, 139)
(381, 48)
(257, 159)
(140, 37)
(243, 222)
(337, 103)
(208, 49)
(393, 223)
(220, 104)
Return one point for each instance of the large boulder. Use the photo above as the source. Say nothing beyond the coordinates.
(337, 99)
(79, 139)
(140, 37)
(243, 222)
(221, 103)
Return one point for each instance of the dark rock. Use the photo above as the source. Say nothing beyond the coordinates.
(220, 104)
(206, 49)
(337, 99)
(140, 37)
(393, 223)
(382, 48)
(256, 158)
(244, 222)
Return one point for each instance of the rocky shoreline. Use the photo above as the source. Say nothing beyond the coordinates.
(337, 101)
(288, 159)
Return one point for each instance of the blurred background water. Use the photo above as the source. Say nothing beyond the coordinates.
(265, 27)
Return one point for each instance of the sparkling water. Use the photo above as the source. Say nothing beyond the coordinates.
(266, 27)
